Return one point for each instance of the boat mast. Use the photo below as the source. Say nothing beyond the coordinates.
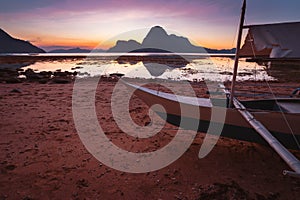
(287, 156)
(237, 56)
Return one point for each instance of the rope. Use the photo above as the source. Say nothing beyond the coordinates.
(284, 117)
(253, 51)
(281, 111)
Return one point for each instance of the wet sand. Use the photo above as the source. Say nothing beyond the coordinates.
(42, 156)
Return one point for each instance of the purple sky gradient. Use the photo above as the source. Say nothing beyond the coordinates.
(210, 23)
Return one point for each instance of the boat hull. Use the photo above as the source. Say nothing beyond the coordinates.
(231, 131)
(199, 116)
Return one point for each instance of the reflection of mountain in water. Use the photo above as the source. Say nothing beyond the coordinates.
(163, 47)
(12, 62)
(156, 69)
(156, 64)
(15, 65)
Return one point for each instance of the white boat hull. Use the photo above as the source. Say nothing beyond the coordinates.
(283, 125)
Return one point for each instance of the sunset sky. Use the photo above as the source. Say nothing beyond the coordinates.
(87, 24)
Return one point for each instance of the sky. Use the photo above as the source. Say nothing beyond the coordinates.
(53, 24)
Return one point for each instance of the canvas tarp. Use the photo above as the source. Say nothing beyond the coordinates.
(273, 41)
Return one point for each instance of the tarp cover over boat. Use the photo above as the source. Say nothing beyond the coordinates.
(272, 41)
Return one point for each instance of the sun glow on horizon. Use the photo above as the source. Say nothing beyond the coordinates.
(90, 24)
(50, 43)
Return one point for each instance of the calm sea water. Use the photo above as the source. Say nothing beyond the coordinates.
(141, 65)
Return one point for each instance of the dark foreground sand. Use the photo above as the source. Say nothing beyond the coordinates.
(42, 157)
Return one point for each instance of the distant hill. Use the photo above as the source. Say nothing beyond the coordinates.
(8, 44)
(125, 46)
(77, 50)
(159, 40)
(98, 50)
(74, 50)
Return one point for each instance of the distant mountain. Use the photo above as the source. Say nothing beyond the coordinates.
(158, 40)
(98, 50)
(8, 44)
(74, 50)
(125, 46)
(77, 50)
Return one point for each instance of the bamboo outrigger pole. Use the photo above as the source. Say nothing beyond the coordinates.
(287, 156)
(237, 52)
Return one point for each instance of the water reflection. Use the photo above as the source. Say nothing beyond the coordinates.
(156, 65)
(13, 63)
(177, 67)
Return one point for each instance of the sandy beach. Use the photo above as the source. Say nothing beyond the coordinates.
(42, 156)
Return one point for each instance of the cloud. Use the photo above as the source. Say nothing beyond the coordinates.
(206, 20)
(16, 6)
(47, 8)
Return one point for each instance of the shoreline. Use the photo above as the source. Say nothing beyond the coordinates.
(169, 66)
